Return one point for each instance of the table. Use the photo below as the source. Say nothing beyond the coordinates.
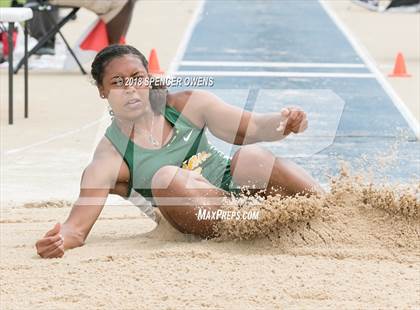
(11, 16)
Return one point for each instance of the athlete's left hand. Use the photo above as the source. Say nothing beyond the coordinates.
(293, 119)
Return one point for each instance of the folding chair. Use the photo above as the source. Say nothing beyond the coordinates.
(42, 5)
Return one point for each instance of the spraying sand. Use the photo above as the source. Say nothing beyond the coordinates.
(351, 200)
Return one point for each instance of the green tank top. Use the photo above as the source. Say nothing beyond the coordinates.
(188, 148)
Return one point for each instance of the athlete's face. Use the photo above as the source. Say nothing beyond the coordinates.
(124, 87)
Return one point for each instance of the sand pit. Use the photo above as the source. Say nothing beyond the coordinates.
(355, 247)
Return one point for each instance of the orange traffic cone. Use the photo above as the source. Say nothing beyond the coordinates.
(154, 67)
(399, 68)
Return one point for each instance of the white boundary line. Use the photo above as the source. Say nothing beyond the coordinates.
(187, 36)
(270, 64)
(64, 134)
(276, 74)
(371, 64)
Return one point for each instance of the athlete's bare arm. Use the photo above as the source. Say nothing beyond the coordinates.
(99, 177)
(236, 125)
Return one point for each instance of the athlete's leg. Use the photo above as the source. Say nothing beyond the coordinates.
(118, 26)
(253, 164)
(181, 193)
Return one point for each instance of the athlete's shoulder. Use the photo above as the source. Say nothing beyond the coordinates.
(179, 99)
(188, 103)
(106, 164)
(105, 150)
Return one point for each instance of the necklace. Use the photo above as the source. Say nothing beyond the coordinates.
(151, 138)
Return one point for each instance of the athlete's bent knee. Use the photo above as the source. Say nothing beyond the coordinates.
(164, 176)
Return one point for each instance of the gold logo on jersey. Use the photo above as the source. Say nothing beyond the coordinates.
(196, 160)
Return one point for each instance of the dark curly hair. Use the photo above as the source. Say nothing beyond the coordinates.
(158, 92)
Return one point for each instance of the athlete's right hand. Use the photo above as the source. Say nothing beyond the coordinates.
(52, 244)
